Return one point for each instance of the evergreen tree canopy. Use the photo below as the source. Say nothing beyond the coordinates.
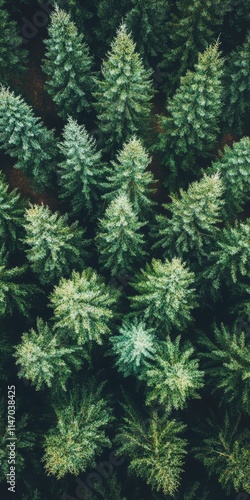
(156, 454)
(13, 57)
(54, 247)
(82, 307)
(226, 453)
(173, 377)
(124, 93)
(79, 435)
(119, 241)
(228, 365)
(134, 345)
(237, 77)
(192, 229)
(166, 295)
(234, 167)
(43, 360)
(24, 137)
(191, 127)
(68, 65)
(129, 174)
(80, 170)
(11, 214)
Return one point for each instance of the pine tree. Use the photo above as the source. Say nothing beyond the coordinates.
(191, 231)
(43, 359)
(237, 80)
(54, 247)
(11, 215)
(119, 242)
(80, 433)
(83, 307)
(156, 454)
(129, 174)
(24, 137)
(228, 365)
(124, 94)
(13, 57)
(14, 295)
(109, 13)
(191, 127)
(191, 29)
(166, 295)
(68, 64)
(80, 170)
(225, 452)
(134, 345)
(233, 166)
(173, 378)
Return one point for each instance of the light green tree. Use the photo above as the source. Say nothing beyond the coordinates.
(80, 432)
(80, 171)
(123, 94)
(68, 65)
(43, 359)
(83, 307)
(166, 294)
(54, 248)
(119, 241)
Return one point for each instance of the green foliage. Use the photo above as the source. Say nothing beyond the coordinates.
(68, 64)
(79, 435)
(228, 366)
(234, 166)
(237, 77)
(191, 231)
(82, 307)
(43, 359)
(133, 346)
(166, 295)
(192, 125)
(54, 246)
(15, 295)
(119, 241)
(156, 453)
(80, 170)
(13, 57)
(110, 13)
(173, 377)
(195, 26)
(11, 214)
(6, 354)
(226, 453)
(124, 93)
(130, 175)
(24, 137)
(110, 489)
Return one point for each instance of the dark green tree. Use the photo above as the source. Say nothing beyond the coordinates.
(237, 79)
(80, 433)
(192, 230)
(190, 129)
(24, 137)
(43, 359)
(193, 27)
(133, 346)
(172, 377)
(166, 294)
(228, 365)
(68, 65)
(156, 453)
(119, 241)
(80, 171)
(54, 247)
(13, 57)
(11, 215)
(83, 307)
(109, 13)
(225, 452)
(130, 175)
(233, 166)
(124, 93)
